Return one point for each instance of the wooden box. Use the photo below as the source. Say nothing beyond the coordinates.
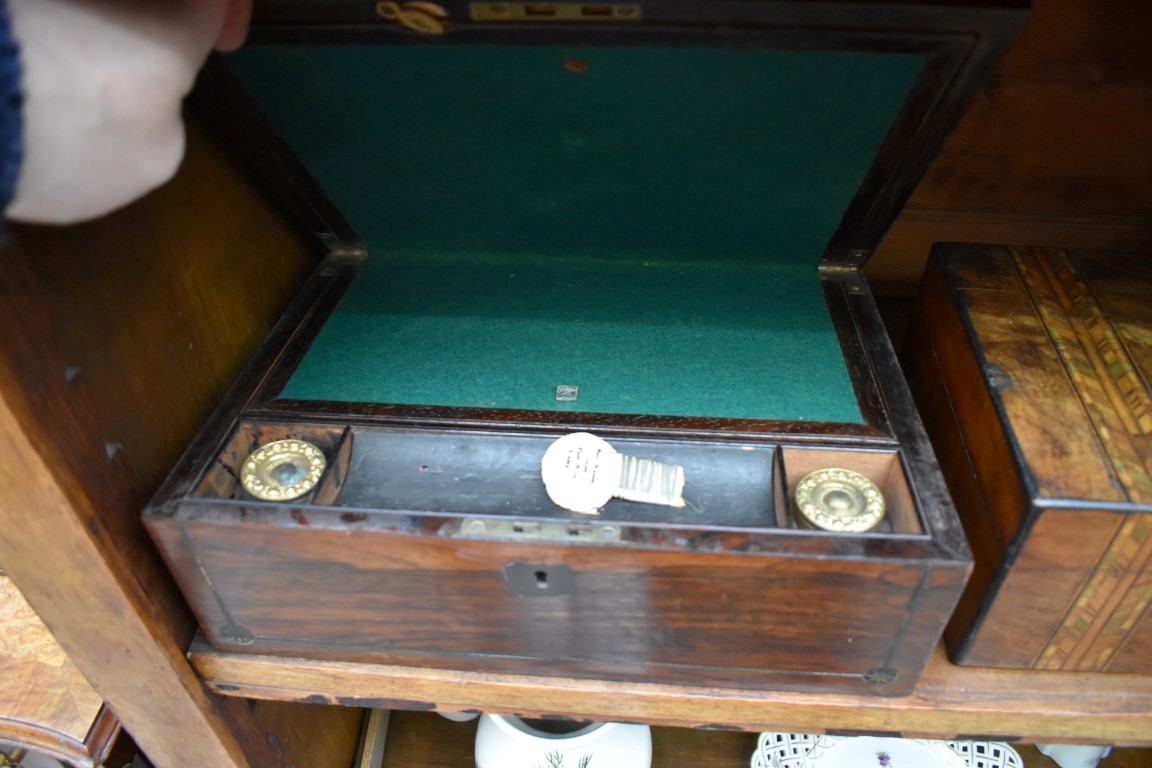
(1032, 368)
(663, 205)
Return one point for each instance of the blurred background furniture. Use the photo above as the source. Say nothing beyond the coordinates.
(46, 705)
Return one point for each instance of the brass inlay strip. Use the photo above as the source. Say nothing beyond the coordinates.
(1120, 408)
(547, 13)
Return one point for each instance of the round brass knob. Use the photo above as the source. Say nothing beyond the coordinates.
(840, 500)
(283, 470)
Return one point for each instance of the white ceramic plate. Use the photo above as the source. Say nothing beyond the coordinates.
(801, 751)
(872, 752)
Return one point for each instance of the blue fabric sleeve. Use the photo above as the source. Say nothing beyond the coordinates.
(11, 100)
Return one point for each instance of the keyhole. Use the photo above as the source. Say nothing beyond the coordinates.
(542, 579)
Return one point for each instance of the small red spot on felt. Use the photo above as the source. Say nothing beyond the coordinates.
(579, 66)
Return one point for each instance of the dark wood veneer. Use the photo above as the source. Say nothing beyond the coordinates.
(766, 607)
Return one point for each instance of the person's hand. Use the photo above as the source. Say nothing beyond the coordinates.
(103, 84)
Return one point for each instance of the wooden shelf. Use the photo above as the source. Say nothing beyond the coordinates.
(46, 705)
(948, 702)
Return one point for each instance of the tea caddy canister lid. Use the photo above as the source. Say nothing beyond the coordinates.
(840, 500)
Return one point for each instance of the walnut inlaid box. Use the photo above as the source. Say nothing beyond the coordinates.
(1032, 366)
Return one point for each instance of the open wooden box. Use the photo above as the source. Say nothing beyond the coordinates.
(665, 205)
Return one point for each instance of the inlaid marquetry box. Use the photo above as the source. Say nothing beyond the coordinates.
(1032, 368)
(644, 221)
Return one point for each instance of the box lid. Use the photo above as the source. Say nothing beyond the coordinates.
(577, 152)
(1065, 349)
(765, 131)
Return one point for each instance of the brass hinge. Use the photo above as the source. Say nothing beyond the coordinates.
(338, 249)
(848, 274)
(853, 262)
(827, 268)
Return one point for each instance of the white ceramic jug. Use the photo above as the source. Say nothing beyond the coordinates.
(509, 742)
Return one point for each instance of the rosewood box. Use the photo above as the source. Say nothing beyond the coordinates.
(1032, 368)
(644, 221)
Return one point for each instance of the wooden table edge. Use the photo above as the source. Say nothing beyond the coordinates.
(949, 702)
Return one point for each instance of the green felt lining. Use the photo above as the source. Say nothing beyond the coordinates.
(643, 223)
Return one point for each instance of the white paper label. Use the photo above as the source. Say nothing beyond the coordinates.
(582, 472)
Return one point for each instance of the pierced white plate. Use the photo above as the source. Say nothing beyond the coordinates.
(800, 750)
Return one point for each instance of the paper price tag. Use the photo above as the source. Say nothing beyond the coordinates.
(582, 472)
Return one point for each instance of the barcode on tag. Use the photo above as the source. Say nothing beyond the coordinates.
(651, 482)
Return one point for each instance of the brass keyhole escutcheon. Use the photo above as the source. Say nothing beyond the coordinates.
(419, 16)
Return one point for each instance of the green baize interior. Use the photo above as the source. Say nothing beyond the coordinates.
(642, 223)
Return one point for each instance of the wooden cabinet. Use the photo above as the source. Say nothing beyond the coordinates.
(120, 336)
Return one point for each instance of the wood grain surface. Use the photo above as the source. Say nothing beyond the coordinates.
(363, 593)
(46, 704)
(1054, 150)
(1056, 138)
(1038, 405)
(948, 702)
(121, 335)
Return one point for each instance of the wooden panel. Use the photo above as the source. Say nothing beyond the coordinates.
(364, 594)
(901, 257)
(1052, 152)
(1028, 383)
(303, 734)
(424, 740)
(121, 335)
(150, 313)
(949, 701)
(51, 552)
(1041, 587)
(45, 703)
(973, 449)
(1056, 129)
(1137, 649)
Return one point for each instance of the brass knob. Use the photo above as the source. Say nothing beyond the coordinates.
(283, 470)
(841, 500)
